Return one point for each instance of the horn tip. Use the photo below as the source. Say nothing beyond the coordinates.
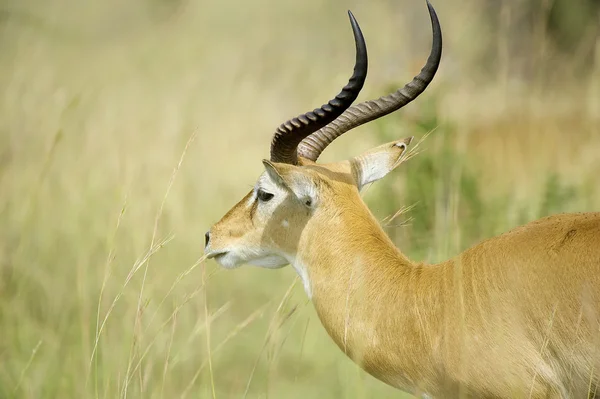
(430, 7)
(351, 16)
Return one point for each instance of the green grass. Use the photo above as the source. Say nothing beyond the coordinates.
(127, 130)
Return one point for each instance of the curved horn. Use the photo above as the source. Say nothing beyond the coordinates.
(291, 133)
(312, 146)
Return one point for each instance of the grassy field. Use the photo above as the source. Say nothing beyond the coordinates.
(128, 128)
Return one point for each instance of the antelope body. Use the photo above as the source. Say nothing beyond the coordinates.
(517, 315)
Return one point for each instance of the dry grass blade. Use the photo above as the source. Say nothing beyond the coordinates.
(403, 223)
(213, 316)
(238, 328)
(301, 350)
(208, 351)
(154, 235)
(107, 274)
(137, 265)
(270, 331)
(389, 219)
(24, 371)
(172, 317)
(253, 316)
(167, 357)
(414, 150)
(177, 281)
(292, 312)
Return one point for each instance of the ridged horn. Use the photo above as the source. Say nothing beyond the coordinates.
(312, 146)
(287, 137)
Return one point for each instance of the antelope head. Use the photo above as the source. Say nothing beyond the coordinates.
(295, 197)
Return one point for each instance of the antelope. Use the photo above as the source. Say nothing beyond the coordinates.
(516, 315)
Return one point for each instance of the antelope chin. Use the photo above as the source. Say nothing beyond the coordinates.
(226, 259)
(269, 262)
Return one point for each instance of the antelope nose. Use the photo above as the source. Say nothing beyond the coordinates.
(206, 238)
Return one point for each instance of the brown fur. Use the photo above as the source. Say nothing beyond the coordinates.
(514, 316)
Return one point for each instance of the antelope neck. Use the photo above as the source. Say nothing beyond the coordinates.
(370, 298)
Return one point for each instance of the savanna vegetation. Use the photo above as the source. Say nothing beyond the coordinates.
(128, 128)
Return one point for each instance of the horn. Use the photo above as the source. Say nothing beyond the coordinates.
(312, 146)
(291, 133)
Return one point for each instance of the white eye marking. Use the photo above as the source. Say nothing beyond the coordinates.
(285, 223)
(251, 200)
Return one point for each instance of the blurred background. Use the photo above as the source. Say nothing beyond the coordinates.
(128, 127)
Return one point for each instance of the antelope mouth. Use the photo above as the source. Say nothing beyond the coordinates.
(216, 255)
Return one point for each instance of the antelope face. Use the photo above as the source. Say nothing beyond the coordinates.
(266, 226)
(254, 230)
(294, 197)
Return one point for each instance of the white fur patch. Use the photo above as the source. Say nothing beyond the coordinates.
(269, 261)
(303, 188)
(264, 182)
(285, 223)
(303, 273)
(251, 200)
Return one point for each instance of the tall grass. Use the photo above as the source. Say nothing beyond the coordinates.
(128, 128)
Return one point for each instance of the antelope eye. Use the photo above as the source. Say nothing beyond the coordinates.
(263, 195)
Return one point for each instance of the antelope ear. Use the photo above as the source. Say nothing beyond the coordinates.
(293, 179)
(378, 162)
